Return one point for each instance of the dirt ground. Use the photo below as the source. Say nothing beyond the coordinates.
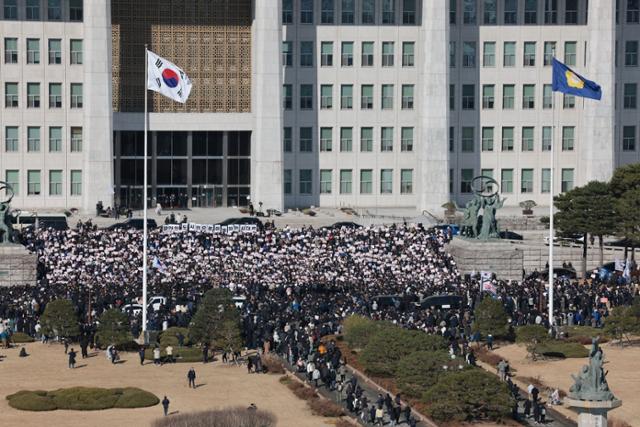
(623, 376)
(218, 386)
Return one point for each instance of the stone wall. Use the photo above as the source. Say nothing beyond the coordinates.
(17, 266)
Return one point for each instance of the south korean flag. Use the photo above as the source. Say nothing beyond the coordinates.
(166, 78)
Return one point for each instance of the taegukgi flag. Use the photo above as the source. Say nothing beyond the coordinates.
(166, 78)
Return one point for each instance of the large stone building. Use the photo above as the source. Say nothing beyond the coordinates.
(361, 103)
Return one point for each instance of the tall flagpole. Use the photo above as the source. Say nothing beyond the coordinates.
(144, 203)
(551, 191)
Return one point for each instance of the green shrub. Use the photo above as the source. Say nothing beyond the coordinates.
(180, 354)
(31, 401)
(113, 328)
(60, 319)
(132, 397)
(84, 398)
(21, 338)
(358, 330)
(418, 371)
(470, 395)
(531, 336)
(562, 349)
(170, 337)
(491, 318)
(229, 417)
(388, 345)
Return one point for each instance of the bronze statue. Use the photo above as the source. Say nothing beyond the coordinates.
(486, 198)
(7, 233)
(591, 382)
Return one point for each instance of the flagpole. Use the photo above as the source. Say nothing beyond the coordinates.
(145, 207)
(551, 191)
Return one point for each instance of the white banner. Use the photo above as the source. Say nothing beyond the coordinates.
(210, 228)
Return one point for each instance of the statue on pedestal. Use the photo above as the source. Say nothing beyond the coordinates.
(7, 233)
(591, 382)
(479, 215)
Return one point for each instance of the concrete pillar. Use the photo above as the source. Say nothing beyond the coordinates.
(433, 153)
(597, 148)
(266, 139)
(98, 149)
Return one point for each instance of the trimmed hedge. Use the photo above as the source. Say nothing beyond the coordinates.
(82, 399)
(562, 349)
(230, 417)
(170, 337)
(358, 330)
(21, 338)
(419, 371)
(180, 354)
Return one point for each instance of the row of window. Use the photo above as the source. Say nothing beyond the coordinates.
(346, 135)
(509, 12)
(507, 135)
(32, 48)
(32, 11)
(347, 54)
(350, 12)
(12, 96)
(508, 97)
(507, 180)
(387, 95)
(346, 183)
(55, 182)
(34, 138)
(509, 49)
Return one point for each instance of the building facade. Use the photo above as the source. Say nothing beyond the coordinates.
(354, 103)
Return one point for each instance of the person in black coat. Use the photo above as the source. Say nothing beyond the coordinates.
(191, 376)
(165, 406)
(72, 358)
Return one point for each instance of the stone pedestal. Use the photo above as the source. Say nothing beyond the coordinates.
(17, 266)
(592, 413)
(501, 257)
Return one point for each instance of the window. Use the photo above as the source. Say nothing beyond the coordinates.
(346, 139)
(306, 11)
(506, 185)
(408, 56)
(469, 12)
(76, 139)
(490, 12)
(630, 96)
(287, 54)
(568, 135)
(629, 138)
(327, 12)
(547, 97)
(10, 51)
(366, 181)
(54, 10)
(33, 182)
(348, 11)
(468, 97)
(346, 178)
(571, 12)
(55, 95)
(386, 140)
(33, 51)
(347, 54)
(409, 12)
(386, 181)
(547, 136)
(387, 54)
(550, 11)
(387, 97)
(527, 138)
(326, 54)
(407, 97)
(508, 97)
(452, 97)
(366, 97)
(488, 98)
(529, 54)
(55, 51)
(287, 14)
(487, 139)
(630, 53)
(469, 54)
(33, 139)
(509, 58)
(366, 139)
(33, 10)
(531, 12)
(287, 95)
(468, 135)
(75, 10)
(326, 139)
(76, 183)
(507, 139)
(367, 54)
(567, 180)
(76, 95)
(549, 51)
(306, 97)
(346, 97)
(11, 9)
(12, 177)
(453, 9)
(306, 139)
(633, 11)
(526, 181)
(287, 181)
(287, 139)
(406, 181)
(486, 172)
(305, 181)
(33, 95)
(325, 181)
(466, 176)
(510, 12)
(546, 180)
(489, 55)
(306, 54)
(528, 97)
(76, 52)
(55, 139)
(452, 54)
(570, 53)
(452, 139)
(11, 141)
(389, 12)
(11, 95)
(368, 12)
(55, 182)
(569, 102)
(406, 143)
(326, 97)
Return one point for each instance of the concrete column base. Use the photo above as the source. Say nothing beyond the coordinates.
(592, 413)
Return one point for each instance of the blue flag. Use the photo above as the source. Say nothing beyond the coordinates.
(566, 80)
